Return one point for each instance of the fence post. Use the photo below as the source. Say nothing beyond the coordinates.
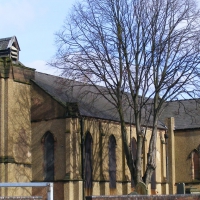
(50, 191)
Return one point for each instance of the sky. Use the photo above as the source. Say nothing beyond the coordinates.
(34, 23)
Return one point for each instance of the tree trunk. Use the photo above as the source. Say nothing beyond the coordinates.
(151, 157)
(126, 148)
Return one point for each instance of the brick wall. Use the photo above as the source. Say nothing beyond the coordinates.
(146, 197)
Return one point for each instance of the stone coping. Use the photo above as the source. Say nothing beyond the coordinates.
(147, 197)
(24, 198)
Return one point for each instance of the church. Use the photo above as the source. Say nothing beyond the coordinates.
(53, 131)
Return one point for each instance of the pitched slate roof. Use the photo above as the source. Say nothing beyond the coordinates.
(66, 91)
(90, 104)
(185, 112)
(6, 43)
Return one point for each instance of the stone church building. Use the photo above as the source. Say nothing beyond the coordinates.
(51, 133)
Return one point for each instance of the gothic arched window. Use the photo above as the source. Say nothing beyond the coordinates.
(88, 164)
(195, 164)
(48, 140)
(112, 162)
(134, 154)
(196, 160)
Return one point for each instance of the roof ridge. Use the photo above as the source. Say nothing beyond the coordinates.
(172, 101)
(63, 78)
(7, 38)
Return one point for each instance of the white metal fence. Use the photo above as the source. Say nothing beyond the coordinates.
(33, 184)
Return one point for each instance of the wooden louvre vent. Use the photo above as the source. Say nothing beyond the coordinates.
(13, 53)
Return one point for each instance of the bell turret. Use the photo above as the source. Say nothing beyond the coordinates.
(9, 48)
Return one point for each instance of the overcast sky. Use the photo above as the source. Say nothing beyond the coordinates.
(34, 23)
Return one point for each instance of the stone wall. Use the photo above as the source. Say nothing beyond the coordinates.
(146, 197)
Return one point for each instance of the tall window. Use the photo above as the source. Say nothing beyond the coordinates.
(196, 160)
(88, 164)
(112, 163)
(48, 157)
(195, 164)
(134, 154)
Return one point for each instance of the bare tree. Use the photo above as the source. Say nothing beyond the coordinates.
(144, 52)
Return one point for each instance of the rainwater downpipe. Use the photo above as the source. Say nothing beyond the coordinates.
(82, 156)
(130, 129)
(166, 142)
(131, 153)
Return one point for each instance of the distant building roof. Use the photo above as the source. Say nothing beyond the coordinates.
(185, 112)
